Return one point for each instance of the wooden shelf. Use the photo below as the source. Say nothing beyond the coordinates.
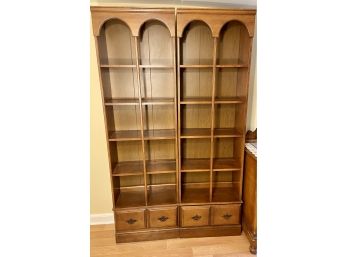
(196, 66)
(231, 63)
(196, 100)
(195, 195)
(226, 194)
(208, 100)
(160, 166)
(162, 195)
(229, 100)
(195, 133)
(121, 66)
(135, 101)
(157, 101)
(195, 165)
(121, 101)
(131, 197)
(128, 168)
(228, 164)
(158, 134)
(227, 132)
(154, 66)
(125, 135)
(134, 135)
(237, 65)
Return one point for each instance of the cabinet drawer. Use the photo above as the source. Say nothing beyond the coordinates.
(225, 214)
(130, 220)
(192, 216)
(162, 217)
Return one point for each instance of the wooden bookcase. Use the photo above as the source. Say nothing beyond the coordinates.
(174, 87)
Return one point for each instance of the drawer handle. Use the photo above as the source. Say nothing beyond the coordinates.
(163, 218)
(227, 216)
(196, 217)
(131, 221)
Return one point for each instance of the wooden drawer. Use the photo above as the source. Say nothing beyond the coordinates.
(225, 214)
(130, 220)
(192, 216)
(162, 217)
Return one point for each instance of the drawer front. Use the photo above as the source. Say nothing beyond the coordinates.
(162, 217)
(225, 214)
(130, 220)
(192, 216)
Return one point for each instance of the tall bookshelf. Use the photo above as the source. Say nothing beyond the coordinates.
(174, 87)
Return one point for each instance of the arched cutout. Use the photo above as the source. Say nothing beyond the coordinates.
(155, 20)
(233, 54)
(117, 47)
(115, 43)
(233, 43)
(157, 82)
(156, 44)
(197, 44)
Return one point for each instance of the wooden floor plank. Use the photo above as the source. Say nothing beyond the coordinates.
(103, 244)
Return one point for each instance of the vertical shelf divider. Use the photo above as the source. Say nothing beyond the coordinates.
(136, 42)
(179, 116)
(212, 120)
(176, 119)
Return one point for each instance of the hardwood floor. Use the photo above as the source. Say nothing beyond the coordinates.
(103, 244)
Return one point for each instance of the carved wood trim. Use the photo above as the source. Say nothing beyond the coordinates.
(251, 136)
(133, 17)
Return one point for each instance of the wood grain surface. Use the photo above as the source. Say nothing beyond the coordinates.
(103, 244)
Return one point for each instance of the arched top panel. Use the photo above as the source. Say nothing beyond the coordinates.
(197, 44)
(233, 44)
(186, 25)
(155, 20)
(134, 18)
(114, 20)
(115, 43)
(239, 23)
(156, 43)
(215, 19)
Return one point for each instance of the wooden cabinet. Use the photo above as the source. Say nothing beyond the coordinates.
(250, 191)
(174, 86)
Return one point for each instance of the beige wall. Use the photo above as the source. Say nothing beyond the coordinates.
(100, 198)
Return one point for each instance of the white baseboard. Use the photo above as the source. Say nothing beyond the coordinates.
(102, 218)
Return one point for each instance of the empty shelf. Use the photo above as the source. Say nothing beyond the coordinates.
(229, 100)
(226, 194)
(121, 101)
(195, 165)
(161, 195)
(195, 133)
(117, 66)
(157, 101)
(227, 132)
(160, 166)
(125, 135)
(196, 66)
(196, 100)
(159, 134)
(133, 197)
(195, 195)
(156, 66)
(128, 168)
(226, 164)
(231, 63)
